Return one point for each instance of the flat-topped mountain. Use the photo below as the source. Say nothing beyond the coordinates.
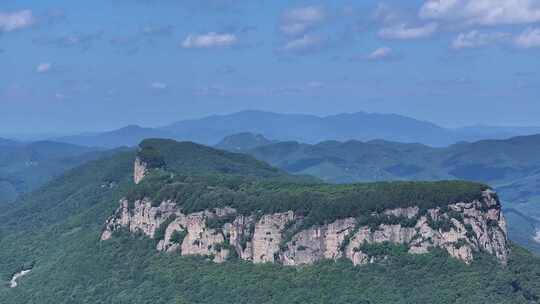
(287, 223)
(158, 240)
(511, 166)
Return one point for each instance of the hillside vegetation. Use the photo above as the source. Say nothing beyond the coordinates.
(27, 166)
(511, 166)
(56, 230)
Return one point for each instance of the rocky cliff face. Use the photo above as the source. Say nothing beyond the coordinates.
(139, 171)
(461, 229)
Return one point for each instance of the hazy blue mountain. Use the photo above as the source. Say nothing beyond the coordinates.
(309, 128)
(26, 166)
(299, 127)
(512, 166)
(128, 136)
(7, 142)
(520, 226)
(243, 141)
(473, 133)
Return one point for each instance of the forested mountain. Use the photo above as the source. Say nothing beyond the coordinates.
(54, 234)
(243, 141)
(26, 166)
(512, 166)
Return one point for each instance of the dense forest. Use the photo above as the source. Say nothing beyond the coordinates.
(55, 232)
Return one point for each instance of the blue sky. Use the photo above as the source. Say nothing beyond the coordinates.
(70, 66)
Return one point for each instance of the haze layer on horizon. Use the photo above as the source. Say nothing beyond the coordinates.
(70, 66)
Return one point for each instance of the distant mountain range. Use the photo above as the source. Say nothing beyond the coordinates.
(128, 136)
(303, 128)
(27, 166)
(512, 166)
(65, 243)
(243, 142)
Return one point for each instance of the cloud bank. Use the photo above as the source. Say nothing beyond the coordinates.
(482, 12)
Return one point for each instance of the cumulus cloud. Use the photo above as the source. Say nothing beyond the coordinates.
(380, 54)
(405, 32)
(476, 39)
(210, 40)
(530, 38)
(306, 43)
(16, 20)
(482, 12)
(43, 67)
(297, 21)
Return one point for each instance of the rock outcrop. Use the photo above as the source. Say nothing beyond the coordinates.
(140, 169)
(13, 283)
(462, 229)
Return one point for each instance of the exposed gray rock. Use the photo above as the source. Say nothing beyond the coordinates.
(139, 171)
(470, 227)
(267, 236)
(317, 243)
(13, 282)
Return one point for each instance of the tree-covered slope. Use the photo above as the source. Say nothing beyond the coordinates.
(192, 158)
(27, 166)
(55, 231)
(511, 166)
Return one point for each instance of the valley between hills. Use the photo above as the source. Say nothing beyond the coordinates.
(178, 222)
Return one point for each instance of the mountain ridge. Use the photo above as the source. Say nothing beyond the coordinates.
(511, 166)
(300, 127)
(62, 223)
(26, 166)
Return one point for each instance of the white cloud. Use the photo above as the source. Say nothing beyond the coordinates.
(476, 39)
(530, 38)
(159, 85)
(482, 12)
(297, 21)
(305, 43)
(306, 14)
(210, 40)
(43, 67)
(380, 53)
(405, 32)
(16, 20)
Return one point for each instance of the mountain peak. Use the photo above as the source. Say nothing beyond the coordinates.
(191, 158)
(243, 142)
